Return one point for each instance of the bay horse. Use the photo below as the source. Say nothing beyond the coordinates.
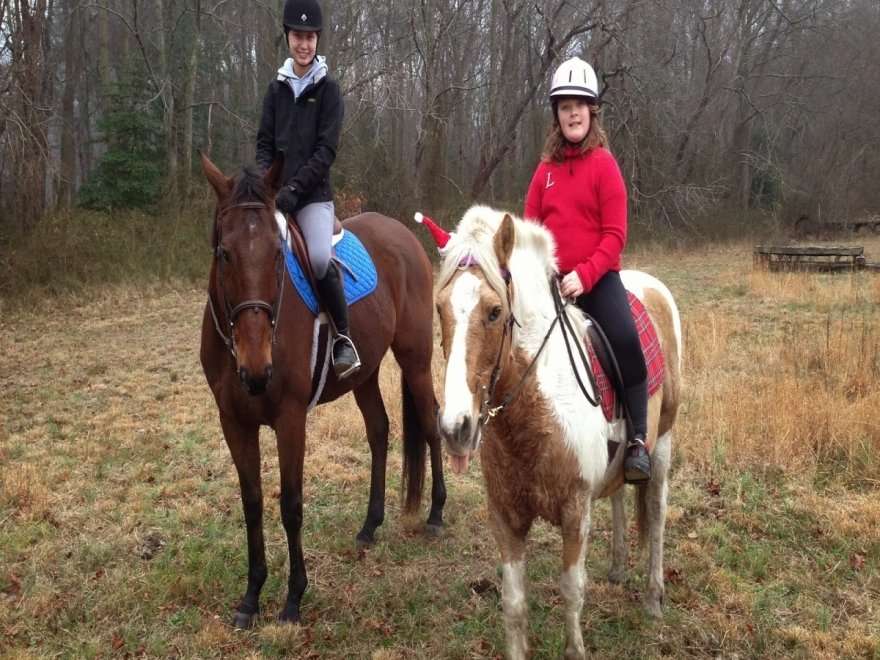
(510, 391)
(257, 339)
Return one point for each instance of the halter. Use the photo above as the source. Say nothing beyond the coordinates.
(272, 309)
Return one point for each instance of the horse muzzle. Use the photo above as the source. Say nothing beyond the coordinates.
(461, 433)
(255, 384)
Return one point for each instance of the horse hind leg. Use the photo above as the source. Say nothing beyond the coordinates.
(619, 547)
(419, 424)
(369, 399)
(652, 502)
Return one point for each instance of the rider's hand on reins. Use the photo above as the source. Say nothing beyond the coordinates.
(570, 286)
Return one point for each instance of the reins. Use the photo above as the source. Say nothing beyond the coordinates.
(273, 309)
(486, 413)
(560, 312)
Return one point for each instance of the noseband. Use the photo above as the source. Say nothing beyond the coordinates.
(272, 309)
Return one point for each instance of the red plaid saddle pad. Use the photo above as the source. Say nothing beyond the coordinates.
(650, 348)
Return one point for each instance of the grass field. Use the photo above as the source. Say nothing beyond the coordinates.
(121, 532)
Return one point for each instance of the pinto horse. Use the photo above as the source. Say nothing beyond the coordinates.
(509, 382)
(256, 348)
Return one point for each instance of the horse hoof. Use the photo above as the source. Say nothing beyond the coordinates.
(433, 531)
(653, 610)
(364, 540)
(615, 578)
(289, 615)
(242, 621)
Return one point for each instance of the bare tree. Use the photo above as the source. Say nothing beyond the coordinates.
(25, 98)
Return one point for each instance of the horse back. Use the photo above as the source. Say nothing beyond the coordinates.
(406, 277)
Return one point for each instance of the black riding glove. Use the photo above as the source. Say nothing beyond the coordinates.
(287, 200)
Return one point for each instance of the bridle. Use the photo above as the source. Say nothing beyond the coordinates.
(272, 309)
(487, 412)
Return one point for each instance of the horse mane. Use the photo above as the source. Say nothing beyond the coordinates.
(248, 186)
(531, 265)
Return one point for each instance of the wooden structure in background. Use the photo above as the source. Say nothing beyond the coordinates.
(820, 258)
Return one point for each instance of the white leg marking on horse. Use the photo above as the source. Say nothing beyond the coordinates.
(458, 398)
(571, 584)
(515, 607)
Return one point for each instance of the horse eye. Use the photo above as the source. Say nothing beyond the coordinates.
(495, 314)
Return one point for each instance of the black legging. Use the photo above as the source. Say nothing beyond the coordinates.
(607, 303)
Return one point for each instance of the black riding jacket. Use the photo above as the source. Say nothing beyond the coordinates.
(306, 130)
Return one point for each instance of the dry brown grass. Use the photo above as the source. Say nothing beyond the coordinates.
(120, 522)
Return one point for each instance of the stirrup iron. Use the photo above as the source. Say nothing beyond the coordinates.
(347, 370)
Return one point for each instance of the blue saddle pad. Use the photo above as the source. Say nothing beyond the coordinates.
(358, 271)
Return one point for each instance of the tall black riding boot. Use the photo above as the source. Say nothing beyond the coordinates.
(346, 361)
(637, 469)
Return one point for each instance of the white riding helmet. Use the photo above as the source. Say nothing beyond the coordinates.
(575, 77)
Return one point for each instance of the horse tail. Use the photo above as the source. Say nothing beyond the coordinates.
(413, 451)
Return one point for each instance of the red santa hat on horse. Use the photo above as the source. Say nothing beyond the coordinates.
(440, 235)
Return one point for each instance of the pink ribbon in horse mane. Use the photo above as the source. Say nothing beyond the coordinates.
(468, 260)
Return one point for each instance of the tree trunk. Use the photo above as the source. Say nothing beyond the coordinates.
(189, 86)
(66, 184)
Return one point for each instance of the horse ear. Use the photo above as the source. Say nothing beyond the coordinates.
(503, 241)
(219, 182)
(274, 176)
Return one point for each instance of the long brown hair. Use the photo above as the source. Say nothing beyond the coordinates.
(554, 146)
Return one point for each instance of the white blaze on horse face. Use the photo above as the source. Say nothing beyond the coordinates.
(458, 399)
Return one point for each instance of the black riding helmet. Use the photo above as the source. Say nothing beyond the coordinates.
(304, 15)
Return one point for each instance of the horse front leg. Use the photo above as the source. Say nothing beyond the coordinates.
(244, 446)
(514, 598)
(575, 529)
(291, 439)
(369, 400)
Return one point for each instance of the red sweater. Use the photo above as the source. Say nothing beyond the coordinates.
(582, 201)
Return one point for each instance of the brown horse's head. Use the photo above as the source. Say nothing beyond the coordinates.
(248, 270)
